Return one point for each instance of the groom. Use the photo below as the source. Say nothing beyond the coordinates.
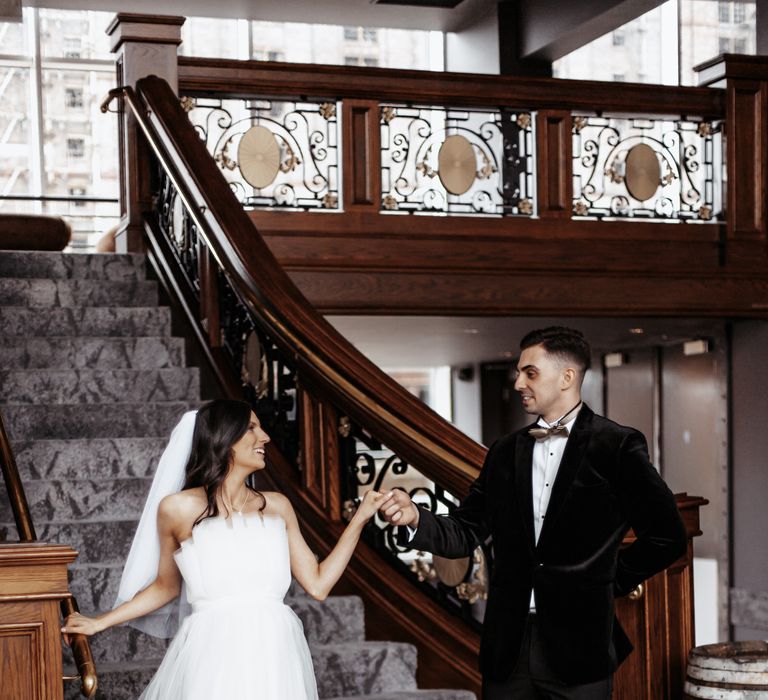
(557, 498)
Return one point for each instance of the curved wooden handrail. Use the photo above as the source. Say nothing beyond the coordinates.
(324, 358)
(19, 506)
(232, 77)
(81, 648)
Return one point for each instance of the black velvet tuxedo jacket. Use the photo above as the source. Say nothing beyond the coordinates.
(605, 485)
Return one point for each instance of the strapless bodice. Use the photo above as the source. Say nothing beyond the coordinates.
(240, 559)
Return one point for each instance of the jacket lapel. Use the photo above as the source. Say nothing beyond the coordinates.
(523, 481)
(566, 473)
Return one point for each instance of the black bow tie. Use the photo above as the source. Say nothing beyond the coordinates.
(544, 433)
(557, 429)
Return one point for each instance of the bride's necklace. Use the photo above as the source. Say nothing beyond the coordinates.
(231, 507)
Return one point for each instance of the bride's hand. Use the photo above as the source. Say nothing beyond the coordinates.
(80, 624)
(371, 503)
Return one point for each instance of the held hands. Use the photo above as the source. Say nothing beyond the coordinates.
(399, 509)
(371, 503)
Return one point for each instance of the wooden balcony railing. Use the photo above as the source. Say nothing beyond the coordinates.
(417, 192)
(412, 141)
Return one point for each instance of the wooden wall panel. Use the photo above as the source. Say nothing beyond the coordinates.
(530, 294)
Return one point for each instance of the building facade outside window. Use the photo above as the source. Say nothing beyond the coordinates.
(665, 44)
(56, 67)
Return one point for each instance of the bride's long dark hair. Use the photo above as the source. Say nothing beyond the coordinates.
(218, 426)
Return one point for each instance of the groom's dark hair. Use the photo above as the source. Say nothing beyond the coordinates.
(567, 344)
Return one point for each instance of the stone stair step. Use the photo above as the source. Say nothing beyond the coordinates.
(25, 422)
(364, 668)
(91, 353)
(117, 681)
(96, 542)
(82, 500)
(96, 386)
(86, 321)
(336, 619)
(98, 458)
(38, 264)
(415, 695)
(46, 293)
(342, 670)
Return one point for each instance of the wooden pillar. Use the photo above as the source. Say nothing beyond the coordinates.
(745, 79)
(361, 151)
(145, 45)
(554, 148)
(33, 579)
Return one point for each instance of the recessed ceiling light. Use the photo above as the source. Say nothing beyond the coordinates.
(471, 331)
(637, 331)
(507, 353)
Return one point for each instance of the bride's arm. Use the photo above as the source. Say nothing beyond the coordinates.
(318, 578)
(162, 590)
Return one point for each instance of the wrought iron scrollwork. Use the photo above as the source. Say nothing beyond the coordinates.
(269, 381)
(273, 153)
(456, 161)
(646, 168)
(370, 465)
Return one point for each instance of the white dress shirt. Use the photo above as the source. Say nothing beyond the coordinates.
(547, 455)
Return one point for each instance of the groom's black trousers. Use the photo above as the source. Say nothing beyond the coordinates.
(533, 678)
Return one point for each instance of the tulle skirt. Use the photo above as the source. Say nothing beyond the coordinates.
(236, 651)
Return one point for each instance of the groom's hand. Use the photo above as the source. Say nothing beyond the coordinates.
(399, 509)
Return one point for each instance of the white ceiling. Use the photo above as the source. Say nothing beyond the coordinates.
(430, 341)
(344, 12)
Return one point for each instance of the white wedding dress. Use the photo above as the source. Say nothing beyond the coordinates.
(241, 642)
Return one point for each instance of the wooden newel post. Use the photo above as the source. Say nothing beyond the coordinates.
(33, 581)
(144, 45)
(745, 79)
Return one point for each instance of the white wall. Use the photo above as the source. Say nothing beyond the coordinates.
(466, 402)
(474, 49)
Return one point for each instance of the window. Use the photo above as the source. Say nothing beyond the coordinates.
(73, 98)
(274, 55)
(724, 11)
(351, 33)
(740, 45)
(72, 47)
(350, 60)
(739, 12)
(370, 61)
(619, 77)
(76, 147)
(77, 192)
(369, 34)
(724, 44)
(618, 38)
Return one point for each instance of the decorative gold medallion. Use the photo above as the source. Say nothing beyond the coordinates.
(642, 174)
(259, 156)
(451, 571)
(457, 164)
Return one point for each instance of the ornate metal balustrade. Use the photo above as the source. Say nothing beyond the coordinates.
(459, 585)
(456, 161)
(647, 168)
(453, 161)
(273, 153)
(268, 379)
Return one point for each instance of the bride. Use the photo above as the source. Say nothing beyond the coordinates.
(229, 551)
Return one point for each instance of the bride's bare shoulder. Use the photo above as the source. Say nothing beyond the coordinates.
(276, 503)
(183, 505)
